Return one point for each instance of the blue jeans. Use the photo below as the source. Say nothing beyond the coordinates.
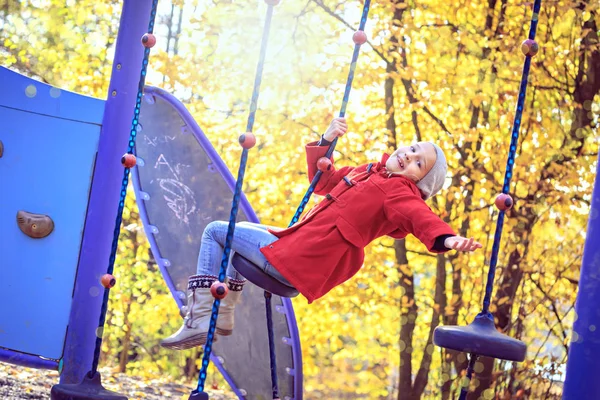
(248, 238)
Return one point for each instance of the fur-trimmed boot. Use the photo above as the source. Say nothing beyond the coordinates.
(196, 322)
(227, 307)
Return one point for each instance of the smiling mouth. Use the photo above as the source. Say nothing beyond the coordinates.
(400, 163)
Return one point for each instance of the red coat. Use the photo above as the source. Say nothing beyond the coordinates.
(326, 247)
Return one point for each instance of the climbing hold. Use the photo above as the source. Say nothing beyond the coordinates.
(247, 140)
(272, 2)
(529, 47)
(148, 40)
(504, 202)
(108, 281)
(35, 226)
(128, 160)
(219, 290)
(324, 164)
(359, 37)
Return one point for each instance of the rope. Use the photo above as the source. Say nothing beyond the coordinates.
(123, 194)
(505, 188)
(235, 203)
(467, 381)
(510, 162)
(317, 176)
(236, 197)
(272, 355)
(306, 198)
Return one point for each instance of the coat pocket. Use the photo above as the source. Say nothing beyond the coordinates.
(349, 232)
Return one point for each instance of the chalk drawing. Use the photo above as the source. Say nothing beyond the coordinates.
(179, 197)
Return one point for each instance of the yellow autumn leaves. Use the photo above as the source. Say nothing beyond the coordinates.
(462, 74)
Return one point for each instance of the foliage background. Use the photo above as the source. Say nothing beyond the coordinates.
(432, 70)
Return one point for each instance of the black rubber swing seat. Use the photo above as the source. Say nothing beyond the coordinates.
(195, 395)
(256, 275)
(482, 338)
(90, 388)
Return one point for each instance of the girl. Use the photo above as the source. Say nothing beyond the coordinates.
(326, 247)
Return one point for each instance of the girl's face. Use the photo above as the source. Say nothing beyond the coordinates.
(412, 161)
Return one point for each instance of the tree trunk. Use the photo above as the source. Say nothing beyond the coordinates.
(178, 33)
(124, 357)
(408, 316)
(450, 315)
(440, 304)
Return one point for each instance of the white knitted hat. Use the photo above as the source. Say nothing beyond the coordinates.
(433, 181)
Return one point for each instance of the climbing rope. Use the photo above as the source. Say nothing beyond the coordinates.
(247, 140)
(504, 201)
(359, 38)
(128, 161)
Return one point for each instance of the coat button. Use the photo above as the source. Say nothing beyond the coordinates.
(271, 246)
(328, 196)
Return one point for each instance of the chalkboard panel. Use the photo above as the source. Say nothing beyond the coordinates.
(182, 185)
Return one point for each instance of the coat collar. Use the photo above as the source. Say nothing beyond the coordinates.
(382, 169)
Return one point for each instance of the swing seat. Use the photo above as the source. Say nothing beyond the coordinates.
(481, 338)
(196, 395)
(256, 275)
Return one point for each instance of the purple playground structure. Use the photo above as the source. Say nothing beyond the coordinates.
(64, 251)
(61, 214)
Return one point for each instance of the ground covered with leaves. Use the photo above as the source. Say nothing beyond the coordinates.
(19, 383)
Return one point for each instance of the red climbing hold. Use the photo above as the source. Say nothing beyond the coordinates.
(324, 164)
(359, 37)
(108, 281)
(530, 47)
(247, 140)
(504, 202)
(219, 290)
(148, 40)
(128, 160)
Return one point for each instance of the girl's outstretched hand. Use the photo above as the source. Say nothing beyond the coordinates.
(337, 128)
(460, 243)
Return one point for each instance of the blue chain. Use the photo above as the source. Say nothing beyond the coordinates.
(317, 177)
(234, 207)
(511, 161)
(123, 194)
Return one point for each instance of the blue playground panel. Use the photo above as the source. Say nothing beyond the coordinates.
(50, 140)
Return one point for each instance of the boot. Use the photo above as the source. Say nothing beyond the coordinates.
(227, 307)
(194, 330)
